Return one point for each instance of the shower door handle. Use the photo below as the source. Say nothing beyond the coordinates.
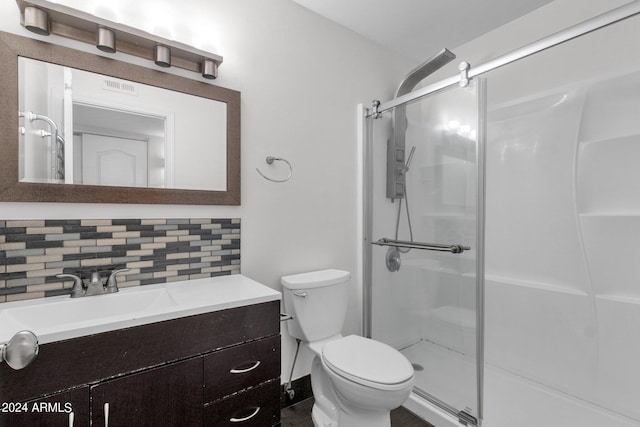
(454, 249)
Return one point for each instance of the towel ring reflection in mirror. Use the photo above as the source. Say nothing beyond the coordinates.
(270, 160)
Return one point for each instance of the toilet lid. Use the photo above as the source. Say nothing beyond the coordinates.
(359, 358)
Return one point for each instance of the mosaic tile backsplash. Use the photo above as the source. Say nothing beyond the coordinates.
(32, 252)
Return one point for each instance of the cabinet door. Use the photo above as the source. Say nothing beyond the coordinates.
(59, 409)
(167, 396)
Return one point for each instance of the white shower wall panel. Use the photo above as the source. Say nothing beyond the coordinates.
(611, 108)
(608, 185)
(531, 230)
(619, 353)
(613, 251)
(563, 220)
(609, 175)
(543, 334)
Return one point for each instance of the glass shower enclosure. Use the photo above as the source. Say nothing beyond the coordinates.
(423, 242)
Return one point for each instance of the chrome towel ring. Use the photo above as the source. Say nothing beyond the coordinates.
(270, 160)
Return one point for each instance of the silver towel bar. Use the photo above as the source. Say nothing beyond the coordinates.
(455, 249)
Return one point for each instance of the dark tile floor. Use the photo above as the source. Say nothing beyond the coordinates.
(299, 415)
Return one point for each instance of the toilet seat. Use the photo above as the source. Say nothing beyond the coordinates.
(367, 362)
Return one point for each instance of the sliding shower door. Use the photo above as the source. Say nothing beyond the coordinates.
(425, 247)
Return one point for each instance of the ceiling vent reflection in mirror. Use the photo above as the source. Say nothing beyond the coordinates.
(45, 18)
(120, 87)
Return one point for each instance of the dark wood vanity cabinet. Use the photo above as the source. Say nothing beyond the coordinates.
(214, 369)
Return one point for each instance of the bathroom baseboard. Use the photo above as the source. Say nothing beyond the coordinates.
(302, 388)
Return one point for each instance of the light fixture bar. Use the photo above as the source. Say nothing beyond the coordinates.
(43, 17)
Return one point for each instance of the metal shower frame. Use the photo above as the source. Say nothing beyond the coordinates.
(466, 73)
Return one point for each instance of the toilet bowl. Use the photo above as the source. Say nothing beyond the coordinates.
(356, 381)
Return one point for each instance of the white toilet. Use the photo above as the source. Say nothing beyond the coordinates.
(356, 381)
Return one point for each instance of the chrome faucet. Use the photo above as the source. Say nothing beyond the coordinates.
(95, 286)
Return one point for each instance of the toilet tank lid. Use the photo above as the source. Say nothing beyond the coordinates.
(315, 279)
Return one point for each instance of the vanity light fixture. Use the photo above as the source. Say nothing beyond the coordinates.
(36, 20)
(106, 40)
(209, 69)
(44, 18)
(162, 56)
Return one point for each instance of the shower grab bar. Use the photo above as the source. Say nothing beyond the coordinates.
(454, 249)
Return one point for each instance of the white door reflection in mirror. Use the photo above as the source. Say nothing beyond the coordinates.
(145, 138)
(114, 161)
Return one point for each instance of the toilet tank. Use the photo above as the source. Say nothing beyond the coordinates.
(318, 303)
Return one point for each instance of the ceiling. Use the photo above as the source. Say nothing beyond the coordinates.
(420, 28)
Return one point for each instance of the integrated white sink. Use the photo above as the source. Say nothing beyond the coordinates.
(58, 318)
(69, 312)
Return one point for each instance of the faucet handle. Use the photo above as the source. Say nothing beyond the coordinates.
(112, 283)
(78, 287)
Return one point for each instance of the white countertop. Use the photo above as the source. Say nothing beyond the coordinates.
(59, 318)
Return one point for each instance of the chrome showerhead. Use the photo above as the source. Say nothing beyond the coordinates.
(423, 70)
(396, 166)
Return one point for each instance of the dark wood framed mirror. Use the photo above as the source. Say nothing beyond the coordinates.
(15, 186)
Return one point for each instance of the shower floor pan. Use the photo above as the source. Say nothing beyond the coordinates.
(509, 400)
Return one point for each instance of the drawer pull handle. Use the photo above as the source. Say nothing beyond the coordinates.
(242, 371)
(240, 420)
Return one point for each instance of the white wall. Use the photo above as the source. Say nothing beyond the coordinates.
(301, 78)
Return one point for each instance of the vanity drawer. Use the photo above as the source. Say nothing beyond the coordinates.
(257, 407)
(236, 368)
